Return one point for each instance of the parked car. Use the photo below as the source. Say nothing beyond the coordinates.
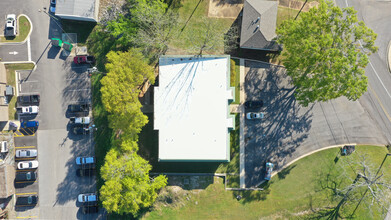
(79, 109)
(87, 198)
(85, 160)
(83, 59)
(3, 147)
(52, 6)
(28, 100)
(29, 124)
(10, 26)
(26, 176)
(80, 120)
(90, 209)
(253, 104)
(85, 172)
(32, 164)
(255, 115)
(27, 200)
(28, 110)
(26, 153)
(269, 170)
(80, 130)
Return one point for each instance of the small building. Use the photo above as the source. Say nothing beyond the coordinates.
(191, 109)
(80, 10)
(7, 176)
(258, 28)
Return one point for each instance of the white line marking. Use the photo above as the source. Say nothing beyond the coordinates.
(13, 52)
(78, 90)
(28, 49)
(30, 81)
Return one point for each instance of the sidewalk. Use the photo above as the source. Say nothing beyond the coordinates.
(242, 125)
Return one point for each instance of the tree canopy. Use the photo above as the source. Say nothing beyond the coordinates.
(127, 71)
(127, 185)
(325, 53)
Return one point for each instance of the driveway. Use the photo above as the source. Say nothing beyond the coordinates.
(289, 130)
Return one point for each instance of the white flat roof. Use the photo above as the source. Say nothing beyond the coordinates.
(191, 108)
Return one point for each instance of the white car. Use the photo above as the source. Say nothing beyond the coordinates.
(10, 26)
(28, 110)
(32, 164)
(255, 115)
(87, 197)
(26, 153)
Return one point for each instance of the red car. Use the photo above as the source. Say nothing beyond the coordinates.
(83, 59)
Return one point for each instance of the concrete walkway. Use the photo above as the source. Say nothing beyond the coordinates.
(242, 125)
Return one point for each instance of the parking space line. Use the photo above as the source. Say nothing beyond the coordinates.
(28, 217)
(27, 181)
(24, 170)
(78, 89)
(27, 147)
(29, 193)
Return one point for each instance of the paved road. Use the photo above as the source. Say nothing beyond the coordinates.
(14, 53)
(289, 130)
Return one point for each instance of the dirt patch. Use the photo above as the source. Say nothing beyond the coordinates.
(225, 8)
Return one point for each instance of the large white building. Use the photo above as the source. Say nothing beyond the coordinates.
(191, 106)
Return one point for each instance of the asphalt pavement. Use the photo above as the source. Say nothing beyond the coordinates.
(58, 82)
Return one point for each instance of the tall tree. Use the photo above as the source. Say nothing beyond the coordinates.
(127, 71)
(323, 54)
(205, 37)
(128, 187)
(149, 26)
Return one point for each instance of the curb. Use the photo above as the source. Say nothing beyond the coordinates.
(315, 151)
(28, 35)
(389, 56)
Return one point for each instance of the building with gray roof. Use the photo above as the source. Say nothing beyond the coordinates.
(259, 25)
(82, 10)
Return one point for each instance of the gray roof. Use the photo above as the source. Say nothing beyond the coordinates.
(77, 8)
(258, 24)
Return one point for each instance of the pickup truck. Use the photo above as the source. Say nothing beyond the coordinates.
(28, 100)
(27, 110)
(80, 120)
(83, 59)
(10, 26)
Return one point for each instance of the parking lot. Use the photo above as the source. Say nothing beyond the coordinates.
(289, 130)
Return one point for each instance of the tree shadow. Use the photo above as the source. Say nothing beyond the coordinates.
(285, 126)
(249, 196)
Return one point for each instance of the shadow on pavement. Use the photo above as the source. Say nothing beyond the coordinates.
(284, 127)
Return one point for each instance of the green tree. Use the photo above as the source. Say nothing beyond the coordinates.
(149, 26)
(128, 187)
(127, 71)
(323, 54)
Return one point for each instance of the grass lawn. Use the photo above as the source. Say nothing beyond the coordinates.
(236, 82)
(24, 28)
(192, 16)
(11, 81)
(284, 13)
(104, 135)
(304, 186)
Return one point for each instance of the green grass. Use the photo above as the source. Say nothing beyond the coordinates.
(183, 39)
(104, 135)
(291, 194)
(284, 13)
(236, 81)
(11, 81)
(82, 28)
(24, 27)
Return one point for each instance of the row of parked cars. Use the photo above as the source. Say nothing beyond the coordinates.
(86, 168)
(27, 158)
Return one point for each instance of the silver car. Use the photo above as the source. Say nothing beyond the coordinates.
(26, 153)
